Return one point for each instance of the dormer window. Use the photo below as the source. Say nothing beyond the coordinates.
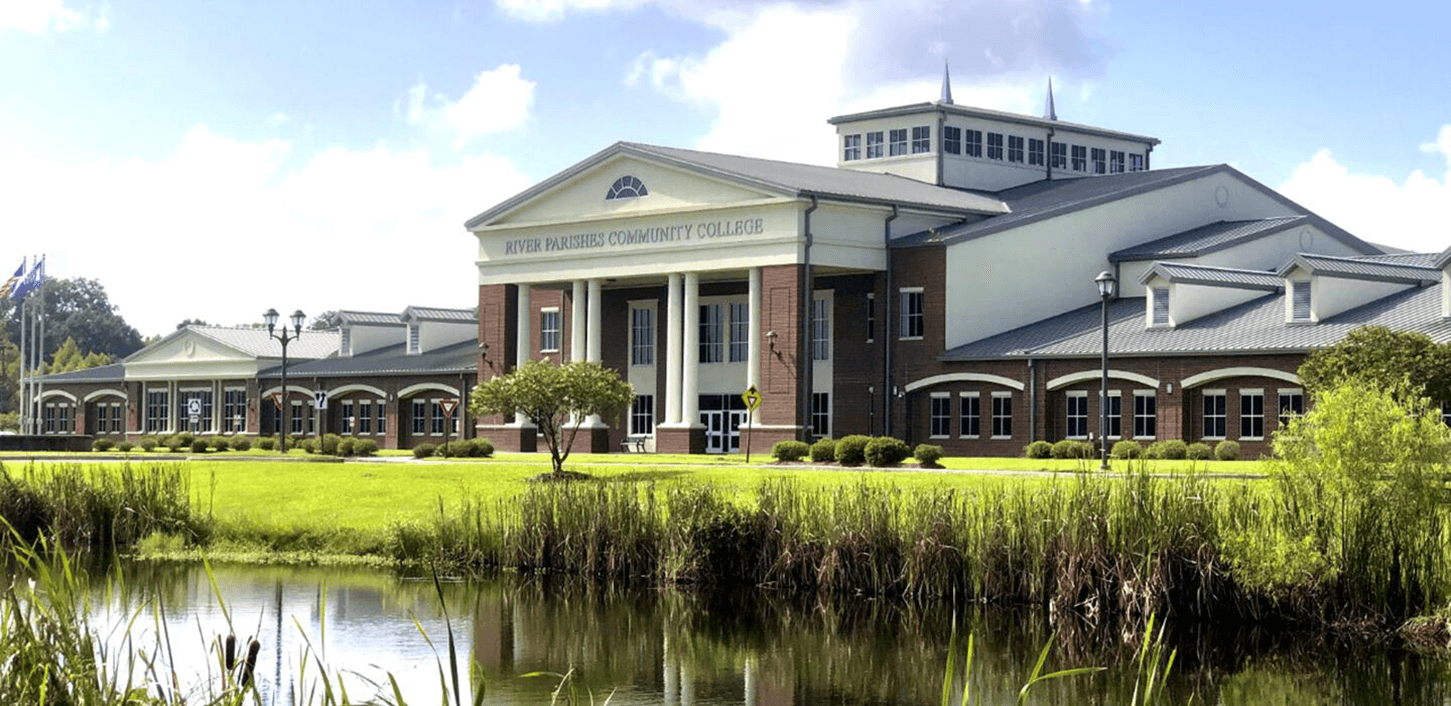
(1300, 300)
(874, 145)
(898, 144)
(413, 342)
(851, 148)
(345, 342)
(627, 187)
(1160, 316)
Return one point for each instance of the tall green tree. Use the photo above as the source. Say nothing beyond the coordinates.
(555, 398)
(76, 308)
(1405, 363)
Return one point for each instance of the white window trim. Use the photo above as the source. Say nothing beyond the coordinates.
(930, 416)
(901, 291)
(1211, 393)
(1146, 393)
(1262, 415)
(1119, 394)
(1071, 394)
(993, 414)
(872, 308)
(558, 329)
(962, 396)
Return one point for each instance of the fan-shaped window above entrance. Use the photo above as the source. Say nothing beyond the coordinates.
(627, 187)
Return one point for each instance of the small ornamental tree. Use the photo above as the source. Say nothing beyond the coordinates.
(555, 398)
(1407, 364)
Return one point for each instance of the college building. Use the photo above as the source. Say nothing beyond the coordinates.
(937, 285)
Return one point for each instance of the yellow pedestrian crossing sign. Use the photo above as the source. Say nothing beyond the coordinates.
(752, 398)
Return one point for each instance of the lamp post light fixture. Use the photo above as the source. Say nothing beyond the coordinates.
(1105, 282)
(270, 318)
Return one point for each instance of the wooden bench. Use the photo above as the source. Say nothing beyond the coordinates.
(633, 443)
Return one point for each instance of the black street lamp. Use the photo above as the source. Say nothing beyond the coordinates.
(271, 319)
(1105, 282)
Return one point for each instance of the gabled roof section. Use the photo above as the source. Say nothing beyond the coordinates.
(1214, 276)
(1361, 268)
(392, 360)
(425, 313)
(1206, 239)
(1440, 260)
(114, 372)
(370, 318)
(1003, 116)
(790, 179)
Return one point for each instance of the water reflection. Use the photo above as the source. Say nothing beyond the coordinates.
(687, 649)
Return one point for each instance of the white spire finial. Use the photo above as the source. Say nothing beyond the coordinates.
(946, 85)
(1050, 112)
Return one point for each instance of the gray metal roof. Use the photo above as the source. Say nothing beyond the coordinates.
(114, 372)
(425, 313)
(1417, 259)
(969, 111)
(1257, 326)
(375, 318)
(1206, 239)
(1215, 276)
(391, 360)
(795, 179)
(1441, 259)
(1361, 268)
(258, 344)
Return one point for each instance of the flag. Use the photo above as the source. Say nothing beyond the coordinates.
(9, 285)
(32, 279)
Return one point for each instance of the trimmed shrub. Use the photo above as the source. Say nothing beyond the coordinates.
(927, 454)
(125, 447)
(199, 446)
(307, 445)
(267, 443)
(886, 451)
(790, 450)
(1072, 448)
(1198, 451)
(329, 444)
(1169, 450)
(242, 443)
(1227, 450)
(1038, 449)
(365, 447)
(220, 443)
(146, 443)
(102, 445)
(1128, 449)
(852, 450)
(479, 447)
(823, 451)
(185, 439)
(347, 447)
(424, 450)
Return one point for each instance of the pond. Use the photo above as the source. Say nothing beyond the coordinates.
(686, 648)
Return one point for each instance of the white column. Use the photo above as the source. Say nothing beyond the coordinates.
(521, 340)
(753, 352)
(577, 322)
(673, 337)
(690, 361)
(592, 339)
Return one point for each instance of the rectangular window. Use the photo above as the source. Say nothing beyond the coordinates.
(642, 336)
(414, 345)
(436, 419)
(952, 139)
(420, 417)
(972, 143)
(871, 317)
(1077, 415)
(921, 139)
(1299, 300)
(1215, 424)
(549, 331)
(851, 148)
(1161, 306)
(156, 406)
(874, 145)
(995, 145)
(911, 325)
(970, 415)
(1080, 158)
(740, 332)
(821, 414)
(820, 329)
(381, 420)
(712, 334)
(1292, 404)
(365, 417)
(1115, 162)
(1015, 148)
(1035, 152)
(1446, 413)
(1145, 414)
(204, 417)
(234, 410)
(1100, 160)
(1002, 415)
(1115, 415)
(348, 414)
(1251, 414)
(1136, 163)
(300, 418)
(897, 145)
(1060, 155)
(48, 416)
(941, 415)
(642, 415)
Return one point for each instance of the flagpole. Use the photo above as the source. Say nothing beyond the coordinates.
(40, 341)
(20, 377)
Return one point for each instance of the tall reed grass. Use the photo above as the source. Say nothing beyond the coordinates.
(99, 506)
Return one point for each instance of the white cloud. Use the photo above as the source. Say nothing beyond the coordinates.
(499, 100)
(554, 10)
(222, 229)
(1414, 214)
(36, 16)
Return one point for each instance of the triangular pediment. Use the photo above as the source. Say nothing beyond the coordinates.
(625, 182)
(187, 347)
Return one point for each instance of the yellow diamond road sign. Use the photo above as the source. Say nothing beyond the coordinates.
(752, 397)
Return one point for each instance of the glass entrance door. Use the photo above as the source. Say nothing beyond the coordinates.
(722, 417)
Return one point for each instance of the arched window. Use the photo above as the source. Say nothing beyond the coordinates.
(627, 187)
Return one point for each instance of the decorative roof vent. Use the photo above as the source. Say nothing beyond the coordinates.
(627, 187)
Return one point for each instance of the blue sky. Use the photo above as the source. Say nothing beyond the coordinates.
(210, 160)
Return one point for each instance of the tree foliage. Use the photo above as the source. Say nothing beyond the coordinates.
(190, 322)
(1407, 363)
(69, 357)
(79, 309)
(554, 398)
